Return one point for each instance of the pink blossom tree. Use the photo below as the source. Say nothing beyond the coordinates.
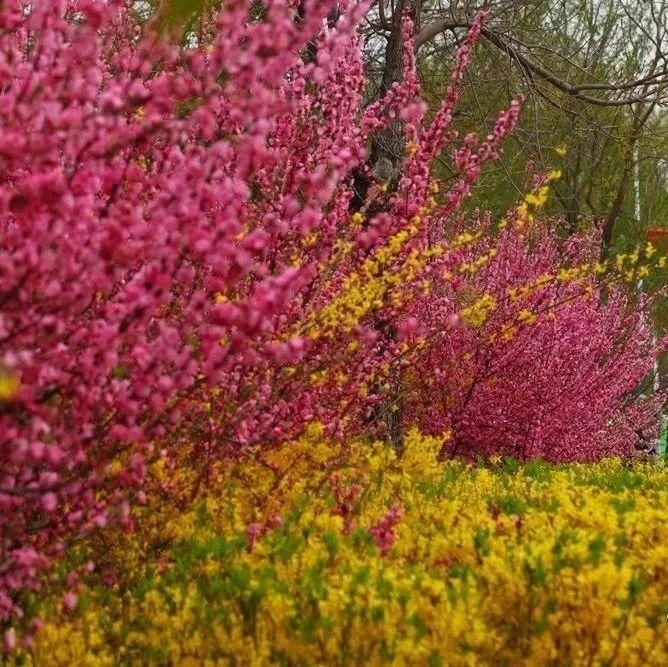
(555, 368)
(180, 271)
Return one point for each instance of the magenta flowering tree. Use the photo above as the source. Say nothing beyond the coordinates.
(129, 170)
(552, 369)
(185, 270)
(180, 269)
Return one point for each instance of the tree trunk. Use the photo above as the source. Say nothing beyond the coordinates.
(386, 156)
(640, 117)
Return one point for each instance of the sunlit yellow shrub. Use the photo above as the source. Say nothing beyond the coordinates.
(503, 564)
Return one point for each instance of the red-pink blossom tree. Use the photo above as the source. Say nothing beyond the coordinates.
(554, 370)
(179, 266)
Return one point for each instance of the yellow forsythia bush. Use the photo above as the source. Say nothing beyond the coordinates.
(319, 554)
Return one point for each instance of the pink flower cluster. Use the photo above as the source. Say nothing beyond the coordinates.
(383, 532)
(554, 372)
(346, 497)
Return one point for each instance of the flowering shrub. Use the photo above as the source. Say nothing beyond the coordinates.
(506, 564)
(549, 355)
(179, 264)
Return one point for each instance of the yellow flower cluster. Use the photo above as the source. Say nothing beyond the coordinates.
(503, 564)
(533, 202)
(516, 293)
(477, 314)
(9, 384)
(630, 266)
(526, 317)
(636, 265)
(478, 263)
(379, 279)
